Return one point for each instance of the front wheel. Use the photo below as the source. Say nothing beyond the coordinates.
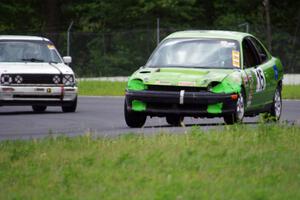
(70, 108)
(238, 115)
(134, 119)
(276, 107)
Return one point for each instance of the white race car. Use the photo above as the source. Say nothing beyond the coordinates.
(33, 73)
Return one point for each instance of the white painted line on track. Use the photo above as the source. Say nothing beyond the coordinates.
(291, 99)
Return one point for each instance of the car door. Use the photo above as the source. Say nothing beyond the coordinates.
(268, 67)
(255, 76)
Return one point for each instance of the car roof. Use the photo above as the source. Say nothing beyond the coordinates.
(22, 37)
(233, 35)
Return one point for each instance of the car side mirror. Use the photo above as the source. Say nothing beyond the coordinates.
(263, 57)
(67, 59)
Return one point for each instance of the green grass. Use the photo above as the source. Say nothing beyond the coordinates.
(101, 88)
(106, 88)
(239, 162)
(291, 92)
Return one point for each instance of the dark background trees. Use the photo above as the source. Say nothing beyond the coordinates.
(112, 37)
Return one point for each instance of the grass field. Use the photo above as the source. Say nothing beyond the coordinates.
(101, 88)
(106, 88)
(291, 92)
(239, 162)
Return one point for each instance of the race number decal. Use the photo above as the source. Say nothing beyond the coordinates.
(260, 79)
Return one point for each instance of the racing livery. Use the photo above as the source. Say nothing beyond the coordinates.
(205, 74)
(33, 73)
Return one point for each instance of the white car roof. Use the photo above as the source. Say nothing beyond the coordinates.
(22, 37)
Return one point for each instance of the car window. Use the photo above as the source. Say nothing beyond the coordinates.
(250, 56)
(261, 51)
(193, 53)
(28, 51)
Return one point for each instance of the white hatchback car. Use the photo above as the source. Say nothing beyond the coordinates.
(33, 73)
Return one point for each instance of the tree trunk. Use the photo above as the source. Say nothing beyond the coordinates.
(268, 23)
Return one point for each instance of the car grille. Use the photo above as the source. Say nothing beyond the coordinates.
(174, 88)
(22, 79)
(170, 106)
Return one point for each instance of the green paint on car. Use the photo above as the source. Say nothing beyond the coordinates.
(227, 87)
(136, 85)
(215, 108)
(138, 105)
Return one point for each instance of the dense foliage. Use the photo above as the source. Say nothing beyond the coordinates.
(111, 37)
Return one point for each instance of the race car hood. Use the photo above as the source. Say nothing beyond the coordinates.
(34, 68)
(181, 76)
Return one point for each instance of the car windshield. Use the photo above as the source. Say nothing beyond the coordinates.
(28, 51)
(196, 53)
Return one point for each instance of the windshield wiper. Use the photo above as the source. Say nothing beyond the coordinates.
(52, 62)
(32, 60)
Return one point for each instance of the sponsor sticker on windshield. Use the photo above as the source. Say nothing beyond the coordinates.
(227, 44)
(236, 58)
(50, 46)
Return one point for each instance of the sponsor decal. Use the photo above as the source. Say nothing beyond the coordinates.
(246, 80)
(186, 83)
(50, 46)
(163, 83)
(236, 58)
(251, 89)
(227, 44)
(260, 79)
(275, 72)
(39, 89)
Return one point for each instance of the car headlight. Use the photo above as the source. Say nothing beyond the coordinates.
(56, 79)
(68, 79)
(18, 79)
(136, 84)
(6, 79)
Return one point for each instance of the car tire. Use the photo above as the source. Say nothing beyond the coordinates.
(70, 108)
(134, 119)
(174, 120)
(238, 115)
(276, 108)
(37, 108)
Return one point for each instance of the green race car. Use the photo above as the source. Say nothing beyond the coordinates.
(205, 74)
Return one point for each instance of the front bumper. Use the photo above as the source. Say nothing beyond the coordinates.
(37, 95)
(162, 103)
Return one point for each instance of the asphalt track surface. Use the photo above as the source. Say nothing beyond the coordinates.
(102, 116)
